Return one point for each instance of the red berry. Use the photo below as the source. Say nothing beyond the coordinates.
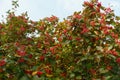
(52, 49)
(99, 4)
(113, 52)
(63, 74)
(48, 71)
(42, 58)
(109, 67)
(21, 60)
(21, 53)
(64, 31)
(17, 43)
(92, 23)
(39, 73)
(0, 27)
(28, 72)
(2, 62)
(30, 56)
(1, 70)
(86, 2)
(77, 16)
(118, 60)
(22, 29)
(78, 39)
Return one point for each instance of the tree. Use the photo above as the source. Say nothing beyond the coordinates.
(84, 46)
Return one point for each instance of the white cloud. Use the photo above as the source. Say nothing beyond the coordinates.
(5, 6)
(115, 4)
(61, 8)
(69, 5)
(110, 3)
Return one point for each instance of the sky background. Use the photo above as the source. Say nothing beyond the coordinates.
(38, 9)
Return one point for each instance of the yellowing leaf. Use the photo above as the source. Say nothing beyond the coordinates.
(96, 32)
(49, 75)
(34, 73)
(16, 55)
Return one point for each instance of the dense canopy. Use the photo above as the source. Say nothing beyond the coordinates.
(84, 46)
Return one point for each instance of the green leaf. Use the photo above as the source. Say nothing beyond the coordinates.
(78, 77)
(24, 78)
(72, 75)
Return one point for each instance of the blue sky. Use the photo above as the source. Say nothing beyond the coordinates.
(38, 9)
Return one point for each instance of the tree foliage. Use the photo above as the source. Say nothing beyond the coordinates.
(85, 46)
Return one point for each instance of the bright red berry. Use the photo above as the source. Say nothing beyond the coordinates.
(2, 62)
(118, 60)
(39, 73)
(42, 58)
